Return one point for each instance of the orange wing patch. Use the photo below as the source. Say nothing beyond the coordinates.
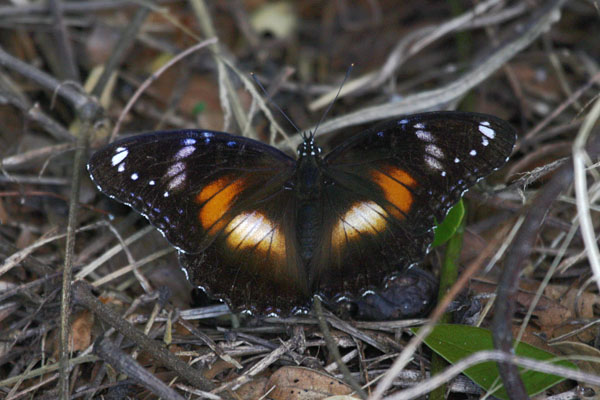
(215, 200)
(394, 183)
(365, 217)
(254, 231)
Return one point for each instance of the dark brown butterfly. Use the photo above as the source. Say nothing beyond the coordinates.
(265, 231)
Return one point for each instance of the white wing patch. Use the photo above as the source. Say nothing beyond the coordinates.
(177, 174)
(434, 151)
(121, 154)
(485, 129)
(365, 217)
(433, 163)
(254, 231)
(185, 152)
(425, 136)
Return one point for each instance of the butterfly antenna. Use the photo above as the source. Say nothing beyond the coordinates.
(270, 101)
(314, 132)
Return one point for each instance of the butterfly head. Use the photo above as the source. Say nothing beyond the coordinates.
(309, 147)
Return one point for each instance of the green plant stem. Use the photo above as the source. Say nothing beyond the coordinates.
(448, 276)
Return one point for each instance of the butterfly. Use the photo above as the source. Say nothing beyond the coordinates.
(265, 231)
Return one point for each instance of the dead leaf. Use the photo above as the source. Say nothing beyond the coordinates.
(4, 215)
(579, 307)
(581, 349)
(217, 368)
(252, 390)
(582, 305)
(81, 330)
(298, 383)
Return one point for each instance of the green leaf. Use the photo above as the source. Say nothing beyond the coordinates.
(449, 225)
(199, 108)
(455, 342)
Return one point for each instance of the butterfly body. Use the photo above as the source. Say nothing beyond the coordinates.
(307, 189)
(266, 231)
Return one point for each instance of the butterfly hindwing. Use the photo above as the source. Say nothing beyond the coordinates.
(361, 241)
(254, 264)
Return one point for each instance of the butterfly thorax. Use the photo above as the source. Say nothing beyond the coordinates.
(308, 183)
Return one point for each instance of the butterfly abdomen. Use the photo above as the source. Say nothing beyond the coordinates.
(308, 217)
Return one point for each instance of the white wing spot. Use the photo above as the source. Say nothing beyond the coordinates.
(166, 194)
(485, 141)
(434, 151)
(152, 183)
(120, 156)
(424, 135)
(189, 141)
(121, 167)
(177, 181)
(419, 126)
(177, 174)
(443, 173)
(456, 160)
(185, 152)
(175, 169)
(403, 122)
(134, 176)
(433, 163)
(473, 152)
(486, 130)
